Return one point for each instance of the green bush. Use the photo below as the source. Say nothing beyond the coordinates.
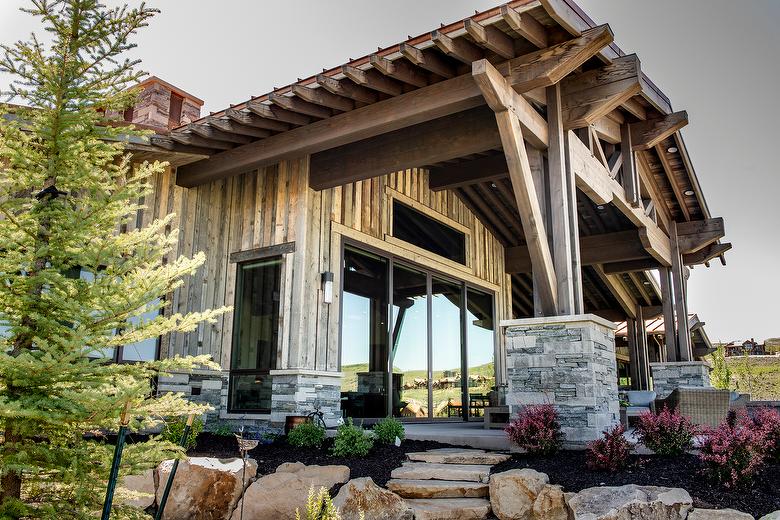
(306, 435)
(222, 428)
(174, 429)
(386, 430)
(351, 441)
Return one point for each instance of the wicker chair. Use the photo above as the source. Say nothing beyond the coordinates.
(703, 406)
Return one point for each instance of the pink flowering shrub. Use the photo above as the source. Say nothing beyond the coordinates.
(733, 452)
(666, 433)
(767, 422)
(536, 429)
(610, 453)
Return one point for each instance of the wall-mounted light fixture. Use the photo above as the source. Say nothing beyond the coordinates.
(327, 287)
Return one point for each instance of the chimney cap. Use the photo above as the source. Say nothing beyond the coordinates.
(151, 80)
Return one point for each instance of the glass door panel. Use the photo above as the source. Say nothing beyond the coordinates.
(410, 343)
(447, 347)
(480, 352)
(364, 335)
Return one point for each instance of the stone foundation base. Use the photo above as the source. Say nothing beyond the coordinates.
(568, 361)
(668, 376)
(201, 386)
(296, 391)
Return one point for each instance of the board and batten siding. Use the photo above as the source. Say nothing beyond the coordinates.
(273, 206)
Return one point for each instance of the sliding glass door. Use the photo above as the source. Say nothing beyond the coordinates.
(414, 344)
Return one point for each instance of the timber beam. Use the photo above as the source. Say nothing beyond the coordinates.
(631, 266)
(591, 95)
(706, 254)
(483, 169)
(607, 248)
(647, 134)
(505, 102)
(695, 235)
(525, 73)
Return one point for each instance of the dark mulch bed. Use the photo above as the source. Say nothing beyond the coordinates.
(568, 468)
(377, 464)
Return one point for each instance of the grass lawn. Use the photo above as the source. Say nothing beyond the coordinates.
(758, 376)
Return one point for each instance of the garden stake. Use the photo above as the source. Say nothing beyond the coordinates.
(169, 483)
(112, 477)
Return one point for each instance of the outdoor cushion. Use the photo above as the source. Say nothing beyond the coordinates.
(636, 410)
(640, 398)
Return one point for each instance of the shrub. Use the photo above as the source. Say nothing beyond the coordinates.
(666, 433)
(319, 505)
(174, 429)
(767, 422)
(536, 429)
(733, 452)
(222, 428)
(306, 435)
(351, 441)
(610, 453)
(386, 430)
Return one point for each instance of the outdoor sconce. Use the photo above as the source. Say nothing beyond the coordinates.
(327, 287)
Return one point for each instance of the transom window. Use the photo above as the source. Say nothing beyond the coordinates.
(428, 233)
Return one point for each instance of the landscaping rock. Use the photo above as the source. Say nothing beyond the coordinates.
(434, 471)
(458, 456)
(279, 494)
(550, 504)
(718, 514)
(361, 496)
(630, 502)
(143, 485)
(437, 488)
(453, 509)
(775, 515)
(204, 488)
(513, 493)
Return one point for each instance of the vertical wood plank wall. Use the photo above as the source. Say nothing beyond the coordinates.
(274, 205)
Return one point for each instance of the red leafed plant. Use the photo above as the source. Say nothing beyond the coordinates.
(666, 433)
(767, 422)
(610, 453)
(536, 429)
(734, 451)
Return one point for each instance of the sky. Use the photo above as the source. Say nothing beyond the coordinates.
(717, 59)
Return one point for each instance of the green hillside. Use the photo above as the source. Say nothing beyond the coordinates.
(758, 376)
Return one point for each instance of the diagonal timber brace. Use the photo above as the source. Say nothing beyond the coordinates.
(505, 102)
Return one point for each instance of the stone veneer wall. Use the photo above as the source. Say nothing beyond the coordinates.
(568, 361)
(296, 391)
(668, 376)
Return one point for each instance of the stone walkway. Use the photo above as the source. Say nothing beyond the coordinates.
(446, 483)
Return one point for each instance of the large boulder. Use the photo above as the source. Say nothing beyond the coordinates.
(630, 502)
(718, 514)
(279, 494)
(204, 488)
(775, 515)
(513, 493)
(550, 504)
(363, 496)
(137, 490)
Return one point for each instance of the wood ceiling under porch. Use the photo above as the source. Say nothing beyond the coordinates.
(534, 117)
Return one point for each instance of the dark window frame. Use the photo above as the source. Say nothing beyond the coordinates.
(447, 231)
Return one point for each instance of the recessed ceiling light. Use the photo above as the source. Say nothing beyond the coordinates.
(599, 207)
(646, 282)
(689, 193)
(493, 185)
(672, 149)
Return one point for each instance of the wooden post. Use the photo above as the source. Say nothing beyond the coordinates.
(536, 161)
(560, 207)
(641, 343)
(680, 298)
(630, 175)
(670, 332)
(633, 363)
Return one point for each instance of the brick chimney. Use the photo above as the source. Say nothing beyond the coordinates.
(162, 106)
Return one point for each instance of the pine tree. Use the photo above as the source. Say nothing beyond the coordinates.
(67, 186)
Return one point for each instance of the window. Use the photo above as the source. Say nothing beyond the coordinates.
(255, 335)
(174, 111)
(423, 231)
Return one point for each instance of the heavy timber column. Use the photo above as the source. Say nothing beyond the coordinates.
(680, 298)
(670, 333)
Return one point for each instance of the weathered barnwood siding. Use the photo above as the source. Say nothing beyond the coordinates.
(274, 205)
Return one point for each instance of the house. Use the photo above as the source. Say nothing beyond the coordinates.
(486, 199)
(748, 347)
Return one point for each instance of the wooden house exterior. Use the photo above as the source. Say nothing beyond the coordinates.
(394, 211)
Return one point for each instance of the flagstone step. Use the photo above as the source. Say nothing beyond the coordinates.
(437, 488)
(458, 456)
(436, 471)
(450, 508)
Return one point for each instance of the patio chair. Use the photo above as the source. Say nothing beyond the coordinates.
(703, 406)
(639, 401)
(738, 401)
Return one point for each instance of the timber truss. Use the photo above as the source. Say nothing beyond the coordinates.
(541, 125)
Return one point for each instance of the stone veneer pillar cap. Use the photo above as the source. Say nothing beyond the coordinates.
(559, 320)
(305, 372)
